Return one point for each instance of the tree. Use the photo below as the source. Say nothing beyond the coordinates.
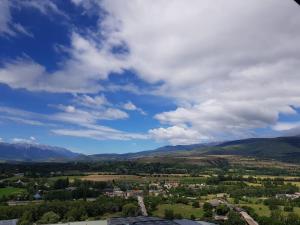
(130, 209)
(234, 219)
(292, 219)
(222, 209)
(49, 217)
(288, 208)
(208, 210)
(196, 204)
(193, 217)
(26, 218)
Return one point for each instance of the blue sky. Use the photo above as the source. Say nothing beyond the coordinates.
(123, 76)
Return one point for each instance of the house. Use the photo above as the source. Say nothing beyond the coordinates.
(156, 192)
(221, 218)
(19, 174)
(37, 196)
(170, 185)
(116, 192)
(19, 182)
(288, 196)
(133, 193)
(71, 188)
(215, 202)
(222, 195)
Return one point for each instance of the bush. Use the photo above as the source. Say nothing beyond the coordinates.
(222, 209)
(288, 208)
(130, 209)
(196, 204)
(169, 214)
(48, 218)
(177, 216)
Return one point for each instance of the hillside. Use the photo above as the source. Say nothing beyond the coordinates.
(281, 148)
(34, 152)
(286, 149)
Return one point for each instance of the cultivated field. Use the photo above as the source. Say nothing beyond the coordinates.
(104, 177)
(10, 191)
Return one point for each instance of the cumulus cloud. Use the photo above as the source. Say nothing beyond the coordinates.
(87, 64)
(231, 68)
(178, 135)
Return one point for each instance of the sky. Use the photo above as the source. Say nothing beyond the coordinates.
(115, 76)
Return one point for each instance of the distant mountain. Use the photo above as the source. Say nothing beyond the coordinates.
(34, 152)
(285, 149)
(279, 148)
(162, 151)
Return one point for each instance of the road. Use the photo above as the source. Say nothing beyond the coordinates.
(142, 205)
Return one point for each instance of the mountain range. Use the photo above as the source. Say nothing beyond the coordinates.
(34, 152)
(280, 148)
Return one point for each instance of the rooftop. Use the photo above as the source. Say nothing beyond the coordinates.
(142, 220)
(9, 222)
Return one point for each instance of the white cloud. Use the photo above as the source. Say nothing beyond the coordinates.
(6, 27)
(100, 133)
(30, 140)
(73, 122)
(81, 73)
(9, 27)
(178, 135)
(47, 7)
(132, 107)
(92, 102)
(230, 67)
(1, 140)
(285, 126)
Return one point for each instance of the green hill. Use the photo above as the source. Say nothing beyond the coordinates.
(282, 148)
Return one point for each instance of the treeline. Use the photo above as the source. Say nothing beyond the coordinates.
(68, 211)
(120, 167)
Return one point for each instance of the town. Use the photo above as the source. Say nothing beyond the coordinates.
(201, 195)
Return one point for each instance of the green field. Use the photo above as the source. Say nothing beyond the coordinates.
(263, 210)
(260, 209)
(185, 210)
(10, 191)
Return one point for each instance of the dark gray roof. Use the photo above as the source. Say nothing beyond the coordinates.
(191, 222)
(8, 222)
(148, 220)
(186, 222)
(205, 223)
(140, 220)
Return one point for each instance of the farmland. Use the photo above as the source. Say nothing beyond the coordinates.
(10, 191)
